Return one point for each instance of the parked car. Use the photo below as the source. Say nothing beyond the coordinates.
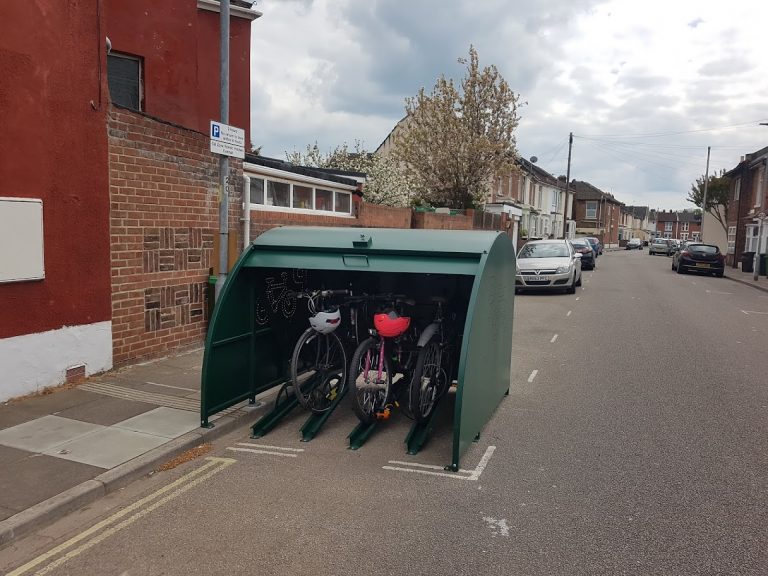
(588, 256)
(596, 244)
(697, 257)
(548, 265)
(660, 246)
(634, 244)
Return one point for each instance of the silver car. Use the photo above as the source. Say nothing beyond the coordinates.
(548, 265)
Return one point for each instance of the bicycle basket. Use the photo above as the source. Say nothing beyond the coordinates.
(391, 324)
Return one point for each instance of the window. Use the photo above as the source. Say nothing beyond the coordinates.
(302, 196)
(275, 193)
(684, 236)
(751, 234)
(591, 212)
(758, 187)
(667, 235)
(667, 228)
(323, 200)
(695, 236)
(732, 239)
(257, 191)
(124, 76)
(343, 203)
(737, 189)
(685, 226)
(278, 193)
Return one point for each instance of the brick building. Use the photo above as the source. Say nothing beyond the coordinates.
(111, 104)
(596, 213)
(748, 199)
(679, 224)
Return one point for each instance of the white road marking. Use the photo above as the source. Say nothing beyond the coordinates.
(569, 312)
(716, 292)
(553, 339)
(498, 526)
(577, 298)
(753, 312)
(100, 531)
(252, 445)
(430, 470)
(533, 375)
(254, 451)
(169, 386)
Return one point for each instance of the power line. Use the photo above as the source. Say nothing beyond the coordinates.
(663, 134)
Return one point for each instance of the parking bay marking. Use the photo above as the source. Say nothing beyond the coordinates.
(753, 312)
(533, 375)
(569, 312)
(263, 449)
(103, 530)
(716, 292)
(431, 470)
(553, 339)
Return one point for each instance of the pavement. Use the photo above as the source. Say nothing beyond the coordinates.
(61, 450)
(65, 448)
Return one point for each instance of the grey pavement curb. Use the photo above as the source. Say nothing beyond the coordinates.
(748, 283)
(53, 508)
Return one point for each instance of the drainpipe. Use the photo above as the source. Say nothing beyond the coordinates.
(223, 160)
(246, 211)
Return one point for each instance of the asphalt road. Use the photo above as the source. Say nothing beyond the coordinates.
(633, 441)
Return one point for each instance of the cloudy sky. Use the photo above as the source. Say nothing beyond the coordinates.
(645, 87)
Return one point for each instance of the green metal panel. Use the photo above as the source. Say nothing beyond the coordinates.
(486, 351)
(245, 355)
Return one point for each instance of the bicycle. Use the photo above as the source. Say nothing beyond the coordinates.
(319, 359)
(432, 372)
(377, 360)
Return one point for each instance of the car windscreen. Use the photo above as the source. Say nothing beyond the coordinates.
(704, 248)
(543, 251)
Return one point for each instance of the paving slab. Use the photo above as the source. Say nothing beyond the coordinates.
(43, 434)
(108, 447)
(58, 400)
(39, 477)
(106, 411)
(10, 455)
(163, 421)
(13, 415)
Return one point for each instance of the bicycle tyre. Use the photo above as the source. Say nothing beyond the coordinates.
(324, 354)
(366, 403)
(428, 381)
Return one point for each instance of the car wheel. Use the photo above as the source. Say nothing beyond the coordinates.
(719, 274)
(578, 282)
(572, 288)
(673, 265)
(679, 268)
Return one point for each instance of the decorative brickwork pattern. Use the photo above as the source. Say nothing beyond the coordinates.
(163, 221)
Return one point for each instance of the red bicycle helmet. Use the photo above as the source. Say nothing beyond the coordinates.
(390, 324)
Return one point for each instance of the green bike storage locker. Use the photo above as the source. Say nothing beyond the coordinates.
(254, 326)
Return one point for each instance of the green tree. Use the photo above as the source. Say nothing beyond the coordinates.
(454, 141)
(718, 194)
(385, 181)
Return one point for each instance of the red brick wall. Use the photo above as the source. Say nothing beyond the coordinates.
(164, 217)
(368, 216)
(434, 221)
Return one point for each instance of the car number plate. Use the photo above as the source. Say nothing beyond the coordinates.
(536, 278)
(701, 265)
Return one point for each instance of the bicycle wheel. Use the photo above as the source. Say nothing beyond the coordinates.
(428, 381)
(371, 394)
(318, 370)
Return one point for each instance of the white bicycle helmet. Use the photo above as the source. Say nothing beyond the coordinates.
(325, 322)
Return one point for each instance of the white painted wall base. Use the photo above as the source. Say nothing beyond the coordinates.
(32, 362)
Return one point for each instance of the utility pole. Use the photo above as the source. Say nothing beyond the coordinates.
(704, 200)
(568, 183)
(223, 159)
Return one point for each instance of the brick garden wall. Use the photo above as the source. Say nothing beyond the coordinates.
(163, 223)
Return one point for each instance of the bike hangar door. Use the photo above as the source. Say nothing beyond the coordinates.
(255, 324)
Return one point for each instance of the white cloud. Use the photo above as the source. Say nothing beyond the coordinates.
(621, 71)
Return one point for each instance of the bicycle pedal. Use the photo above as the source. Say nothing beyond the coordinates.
(384, 414)
(332, 394)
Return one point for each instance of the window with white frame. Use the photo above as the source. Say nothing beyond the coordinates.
(276, 193)
(591, 210)
(667, 234)
(751, 238)
(685, 226)
(667, 227)
(737, 189)
(684, 236)
(696, 237)
(759, 187)
(731, 239)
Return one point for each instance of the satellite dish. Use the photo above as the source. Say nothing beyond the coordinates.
(534, 159)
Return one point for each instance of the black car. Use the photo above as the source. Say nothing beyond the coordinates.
(697, 257)
(588, 255)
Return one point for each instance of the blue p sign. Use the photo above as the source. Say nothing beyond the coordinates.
(215, 131)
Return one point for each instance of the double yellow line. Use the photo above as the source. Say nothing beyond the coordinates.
(122, 519)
